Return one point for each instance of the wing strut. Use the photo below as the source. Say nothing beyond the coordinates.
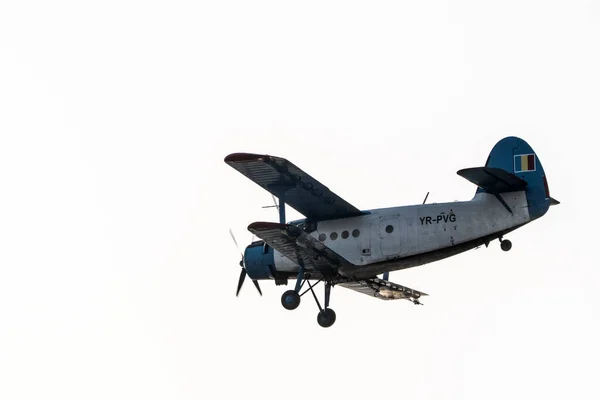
(281, 208)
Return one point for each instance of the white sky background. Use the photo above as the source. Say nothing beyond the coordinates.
(117, 273)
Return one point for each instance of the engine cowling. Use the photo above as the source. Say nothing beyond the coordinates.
(259, 261)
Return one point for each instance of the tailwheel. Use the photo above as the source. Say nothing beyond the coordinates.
(326, 317)
(290, 300)
(505, 245)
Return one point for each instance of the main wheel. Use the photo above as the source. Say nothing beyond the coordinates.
(505, 245)
(326, 318)
(290, 300)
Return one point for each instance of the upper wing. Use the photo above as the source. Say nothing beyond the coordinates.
(298, 246)
(293, 186)
(384, 290)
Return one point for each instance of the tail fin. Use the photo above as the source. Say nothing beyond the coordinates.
(515, 156)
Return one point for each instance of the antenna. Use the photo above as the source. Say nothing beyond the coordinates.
(280, 207)
(426, 196)
(274, 204)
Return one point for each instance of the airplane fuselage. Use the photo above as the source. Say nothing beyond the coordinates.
(400, 237)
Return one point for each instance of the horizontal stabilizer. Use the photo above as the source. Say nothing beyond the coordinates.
(493, 180)
(554, 202)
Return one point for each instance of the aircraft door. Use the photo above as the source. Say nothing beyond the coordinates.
(392, 236)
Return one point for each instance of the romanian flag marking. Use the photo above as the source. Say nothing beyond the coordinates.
(525, 163)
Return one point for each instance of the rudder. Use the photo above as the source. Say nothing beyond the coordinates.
(516, 156)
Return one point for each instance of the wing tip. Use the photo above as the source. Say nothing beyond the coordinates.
(259, 226)
(243, 157)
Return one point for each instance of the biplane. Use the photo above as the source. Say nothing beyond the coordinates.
(338, 244)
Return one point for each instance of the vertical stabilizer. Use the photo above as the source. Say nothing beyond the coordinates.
(516, 156)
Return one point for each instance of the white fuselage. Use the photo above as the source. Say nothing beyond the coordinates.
(395, 233)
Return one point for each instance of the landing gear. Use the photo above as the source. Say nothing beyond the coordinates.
(290, 300)
(326, 318)
(505, 245)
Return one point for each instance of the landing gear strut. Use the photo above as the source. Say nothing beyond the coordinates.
(326, 316)
(505, 245)
(291, 300)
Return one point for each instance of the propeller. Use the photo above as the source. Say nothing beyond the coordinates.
(244, 272)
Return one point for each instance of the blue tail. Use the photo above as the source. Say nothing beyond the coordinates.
(514, 155)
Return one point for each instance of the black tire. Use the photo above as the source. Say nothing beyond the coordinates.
(326, 318)
(290, 300)
(505, 245)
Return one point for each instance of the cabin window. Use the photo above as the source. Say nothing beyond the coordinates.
(345, 235)
(333, 235)
(355, 233)
(322, 237)
(389, 229)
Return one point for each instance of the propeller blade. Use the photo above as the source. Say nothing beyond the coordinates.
(241, 281)
(257, 287)
(235, 241)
